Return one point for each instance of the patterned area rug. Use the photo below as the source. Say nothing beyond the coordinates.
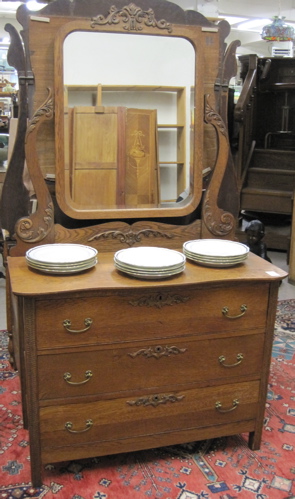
(223, 468)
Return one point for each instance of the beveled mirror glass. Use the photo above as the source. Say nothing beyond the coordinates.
(127, 118)
(129, 125)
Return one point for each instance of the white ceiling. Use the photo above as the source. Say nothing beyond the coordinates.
(258, 8)
(251, 41)
(249, 9)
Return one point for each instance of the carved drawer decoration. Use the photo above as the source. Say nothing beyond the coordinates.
(150, 365)
(143, 316)
(108, 420)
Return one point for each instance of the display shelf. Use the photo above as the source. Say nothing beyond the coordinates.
(170, 102)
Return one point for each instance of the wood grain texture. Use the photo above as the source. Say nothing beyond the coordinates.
(104, 276)
(179, 360)
(175, 366)
(146, 341)
(43, 33)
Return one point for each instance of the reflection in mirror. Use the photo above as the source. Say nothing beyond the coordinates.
(127, 116)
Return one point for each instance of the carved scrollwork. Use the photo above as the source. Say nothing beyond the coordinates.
(159, 300)
(213, 118)
(45, 111)
(130, 237)
(219, 227)
(36, 227)
(133, 17)
(158, 352)
(218, 221)
(155, 400)
(25, 225)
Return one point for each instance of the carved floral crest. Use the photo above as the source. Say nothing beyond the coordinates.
(133, 17)
(130, 237)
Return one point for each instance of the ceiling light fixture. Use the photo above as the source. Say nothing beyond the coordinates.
(278, 30)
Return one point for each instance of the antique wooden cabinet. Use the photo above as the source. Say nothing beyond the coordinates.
(104, 368)
(114, 364)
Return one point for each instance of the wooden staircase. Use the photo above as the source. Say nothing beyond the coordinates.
(270, 182)
(265, 155)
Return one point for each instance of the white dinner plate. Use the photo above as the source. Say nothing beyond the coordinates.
(215, 259)
(220, 248)
(61, 254)
(152, 258)
(62, 271)
(141, 274)
(91, 261)
(216, 264)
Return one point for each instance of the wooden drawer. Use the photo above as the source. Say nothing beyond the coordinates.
(109, 420)
(149, 365)
(149, 314)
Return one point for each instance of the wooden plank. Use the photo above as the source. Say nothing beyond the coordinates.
(142, 173)
(94, 161)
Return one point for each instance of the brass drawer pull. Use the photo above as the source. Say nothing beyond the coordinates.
(225, 311)
(218, 406)
(158, 352)
(69, 426)
(67, 324)
(68, 376)
(240, 357)
(155, 400)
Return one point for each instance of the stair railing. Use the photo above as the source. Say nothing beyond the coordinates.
(244, 114)
(247, 163)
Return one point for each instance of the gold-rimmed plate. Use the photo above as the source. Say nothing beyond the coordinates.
(216, 248)
(61, 254)
(149, 258)
(150, 275)
(63, 270)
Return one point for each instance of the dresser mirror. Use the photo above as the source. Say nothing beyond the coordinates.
(119, 107)
(146, 112)
(135, 104)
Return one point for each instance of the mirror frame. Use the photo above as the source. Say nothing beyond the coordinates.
(182, 173)
(42, 95)
(107, 22)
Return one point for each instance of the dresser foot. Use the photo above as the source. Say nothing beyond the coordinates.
(36, 476)
(254, 440)
(11, 351)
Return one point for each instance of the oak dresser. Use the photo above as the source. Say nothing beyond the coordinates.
(111, 364)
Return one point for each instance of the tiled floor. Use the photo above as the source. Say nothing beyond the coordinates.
(286, 291)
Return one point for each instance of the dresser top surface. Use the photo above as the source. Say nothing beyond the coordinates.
(104, 276)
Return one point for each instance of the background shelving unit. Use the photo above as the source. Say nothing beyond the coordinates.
(170, 102)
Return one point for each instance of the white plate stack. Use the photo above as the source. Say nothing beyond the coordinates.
(149, 262)
(216, 252)
(61, 258)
